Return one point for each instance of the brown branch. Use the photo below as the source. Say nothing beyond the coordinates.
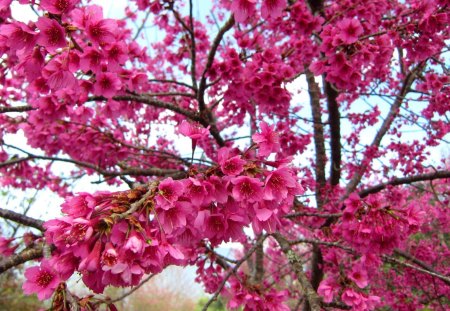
(424, 267)
(207, 116)
(258, 269)
(211, 56)
(435, 274)
(297, 266)
(315, 5)
(405, 180)
(24, 256)
(234, 270)
(22, 219)
(160, 104)
(171, 81)
(319, 141)
(160, 172)
(170, 94)
(16, 109)
(190, 31)
(152, 102)
(409, 80)
(136, 205)
(311, 214)
(193, 47)
(13, 161)
(141, 27)
(335, 133)
(319, 242)
(414, 260)
(321, 159)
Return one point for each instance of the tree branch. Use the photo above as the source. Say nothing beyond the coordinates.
(14, 161)
(211, 56)
(319, 141)
(405, 180)
(409, 80)
(148, 278)
(22, 219)
(414, 260)
(296, 264)
(234, 270)
(320, 161)
(152, 102)
(335, 133)
(435, 274)
(258, 271)
(24, 256)
(16, 109)
(133, 171)
(311, 214)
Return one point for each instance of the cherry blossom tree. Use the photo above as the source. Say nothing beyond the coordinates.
(314, 130)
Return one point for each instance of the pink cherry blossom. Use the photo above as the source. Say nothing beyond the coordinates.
(169, 192)
(267, 140)
(51, 34)
(242, 9)
(41, 280)
(100, 30)
(18, 36)
(6, 249)
(272, 8)
(351, 29)
(247, 188)
(107, 84)
(58, 6)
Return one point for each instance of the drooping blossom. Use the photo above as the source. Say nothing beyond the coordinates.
(242, 9)
(195, 191)
(81, 205)
(230, 164)
(41, 280)
(175, 217)
(92, 261)
(350, 30)
(18, 36)
(359, 301)
(268, 140)
(58, 6)
(359, 276)
(278, 184)
(107, 84)
(272, 8)
(51, 34)
(194, 131)
(247, 188)
(327, 289)
(101, 31)
(169, 192)
(6, 249)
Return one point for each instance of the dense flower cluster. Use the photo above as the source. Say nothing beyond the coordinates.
(371, 226)
(116, 238)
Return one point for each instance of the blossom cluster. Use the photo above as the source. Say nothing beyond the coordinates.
(116, 238)
(371, 226)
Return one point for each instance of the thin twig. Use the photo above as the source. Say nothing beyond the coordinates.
(133, 289)
(234, 270)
